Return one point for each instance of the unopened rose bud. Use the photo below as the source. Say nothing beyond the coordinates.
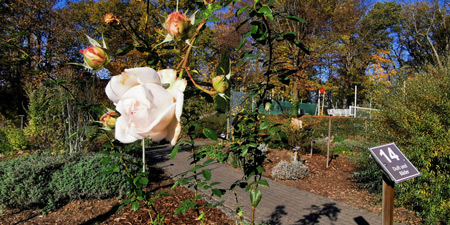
(177, 25)
(220, 83)
(109, 119)
(95, 57)
(111, 19)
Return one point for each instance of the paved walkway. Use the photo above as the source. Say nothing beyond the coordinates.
(280, 204)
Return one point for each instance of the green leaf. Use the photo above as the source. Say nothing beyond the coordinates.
(93, 41)
(208, 162)
(241, 44)
(143, 181)
(209, 133)
(264, 125)
(209, 11)
(135, 206)
(267, 11)
(274, 130)
(125, 50)
(217, 192)
(106, 160)
(263, 183)
(260, 169)
(72, 135)
(255, 197)
(116, 169)
(214, 183)
(214, 19)
(196, 168)
(295, 18)
(174, 152)
(206, 174)
(242, 9)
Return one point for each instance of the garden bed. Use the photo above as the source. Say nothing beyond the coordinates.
(97, 211)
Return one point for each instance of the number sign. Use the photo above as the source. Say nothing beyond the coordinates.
(394, 163)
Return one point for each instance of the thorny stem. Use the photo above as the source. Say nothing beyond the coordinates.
(212, 93)
(133, 34)
(112, 69)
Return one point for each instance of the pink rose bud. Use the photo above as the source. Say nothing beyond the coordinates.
(220, 83)
(177, 24)
(95, 57)
(109, 119)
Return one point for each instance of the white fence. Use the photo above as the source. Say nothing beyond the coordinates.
(353, 112)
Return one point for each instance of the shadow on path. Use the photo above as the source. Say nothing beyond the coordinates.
(275, 217)
(326, 210)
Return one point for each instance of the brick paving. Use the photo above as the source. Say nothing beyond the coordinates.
(280, 204)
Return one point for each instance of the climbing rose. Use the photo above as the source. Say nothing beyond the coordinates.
(147, 109)
(95, 57)
(177, 25)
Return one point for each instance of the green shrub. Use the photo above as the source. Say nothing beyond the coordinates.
(4, 145)
(45, 181)
(298, 137)
(415, 117)
(16, 139)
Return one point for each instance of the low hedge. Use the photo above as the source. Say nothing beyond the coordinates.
(45, 181)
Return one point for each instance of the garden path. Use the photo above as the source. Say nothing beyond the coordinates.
(280, 204)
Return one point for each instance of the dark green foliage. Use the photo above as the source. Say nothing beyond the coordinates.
(216, 122)
(215, 152)
(298, 137)
(416, 119)
(46, 181)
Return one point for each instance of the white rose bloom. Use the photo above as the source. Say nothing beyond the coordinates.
(147, 109)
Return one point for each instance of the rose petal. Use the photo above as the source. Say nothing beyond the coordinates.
(179, 104)
(173, 132)
(167, 76)
(122, 133)
(119, 85)
(145, 75)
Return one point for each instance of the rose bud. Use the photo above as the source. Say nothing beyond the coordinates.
(111, 19)
(95, 57)
(177, 25)
(220, 83)
(109, 119)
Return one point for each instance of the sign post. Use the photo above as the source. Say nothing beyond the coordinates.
(396, 168)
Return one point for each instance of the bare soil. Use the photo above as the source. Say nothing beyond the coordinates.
(334, 182)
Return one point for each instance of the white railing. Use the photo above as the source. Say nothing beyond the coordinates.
(352, 111)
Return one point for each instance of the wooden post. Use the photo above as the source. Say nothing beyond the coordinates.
(312, 147)
(329, 140)
(388, 202)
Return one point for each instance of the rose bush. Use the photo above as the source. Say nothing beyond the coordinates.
(147, 108)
